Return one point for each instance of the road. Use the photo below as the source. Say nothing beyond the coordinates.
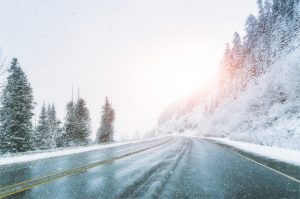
(172, 167)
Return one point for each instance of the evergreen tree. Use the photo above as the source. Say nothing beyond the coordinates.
(53, 125)
(43, 121)
(83, 123)
(77, 124)
(42, 133)
(271, 35)
(70, 122)
(237, 53)
(250, 43)
(16, 112)
(106, 130)
(251, 28)
(48, 130)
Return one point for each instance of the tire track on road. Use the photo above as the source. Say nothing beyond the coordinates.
(160, 173)
(29, 184)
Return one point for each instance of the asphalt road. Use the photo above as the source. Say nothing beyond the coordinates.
(173, 167)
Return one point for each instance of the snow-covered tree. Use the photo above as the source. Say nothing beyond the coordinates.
(250, 43)
(251, 28)
(82, 123)
(16, 111)
(77, 124)
(53, 125)
(237, 52)
(48, 130)
(261, 94)
(106, 130)
(41, 137)
(70, 123)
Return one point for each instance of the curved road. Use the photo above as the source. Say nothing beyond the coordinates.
(173, 167)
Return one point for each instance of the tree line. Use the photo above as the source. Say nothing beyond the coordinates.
(17, 133)
(269, 36)
(249, 69)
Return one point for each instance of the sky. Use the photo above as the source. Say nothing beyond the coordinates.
(142, 54)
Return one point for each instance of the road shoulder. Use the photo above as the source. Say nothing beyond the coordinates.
(283, 168)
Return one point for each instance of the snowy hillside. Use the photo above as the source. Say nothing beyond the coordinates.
(256, 97)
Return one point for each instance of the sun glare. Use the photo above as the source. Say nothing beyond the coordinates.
(184, 75)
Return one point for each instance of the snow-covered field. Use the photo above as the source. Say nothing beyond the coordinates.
(31, 156)
(276, 153)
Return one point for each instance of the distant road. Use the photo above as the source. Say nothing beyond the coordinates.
(172, 167)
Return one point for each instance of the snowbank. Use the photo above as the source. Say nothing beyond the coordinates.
(31, 156)
(276, 153)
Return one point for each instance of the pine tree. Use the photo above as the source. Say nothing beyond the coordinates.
(48, 130)
(53, 125)
(70, 122)
(16, 111)
(237, 53)
(77, 124)
(251, 28)
(270, 35)
(250, 43)
(42, 133)
(106, 130)
(83, 123)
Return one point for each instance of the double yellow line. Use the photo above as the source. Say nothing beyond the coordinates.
(29, 184)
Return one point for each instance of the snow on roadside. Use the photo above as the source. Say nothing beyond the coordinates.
(280, 154)
(31, 156)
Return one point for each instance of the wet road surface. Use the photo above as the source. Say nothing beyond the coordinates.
(173, 167)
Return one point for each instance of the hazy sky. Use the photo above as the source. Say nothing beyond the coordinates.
(142, 54)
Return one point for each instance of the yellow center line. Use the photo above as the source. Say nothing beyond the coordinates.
(74, 171)
(30, 180)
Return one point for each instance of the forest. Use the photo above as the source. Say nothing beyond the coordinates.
(19, 133)
(256, 95)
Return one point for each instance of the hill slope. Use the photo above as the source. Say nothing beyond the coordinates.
(257, 95)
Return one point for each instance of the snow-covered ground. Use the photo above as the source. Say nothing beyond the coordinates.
(280, 154)
(31, 156)
(266, 113)
(256, 96)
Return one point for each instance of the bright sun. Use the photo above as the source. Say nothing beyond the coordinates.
(183, 75)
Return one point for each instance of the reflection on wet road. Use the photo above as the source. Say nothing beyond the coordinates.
(176, 167)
